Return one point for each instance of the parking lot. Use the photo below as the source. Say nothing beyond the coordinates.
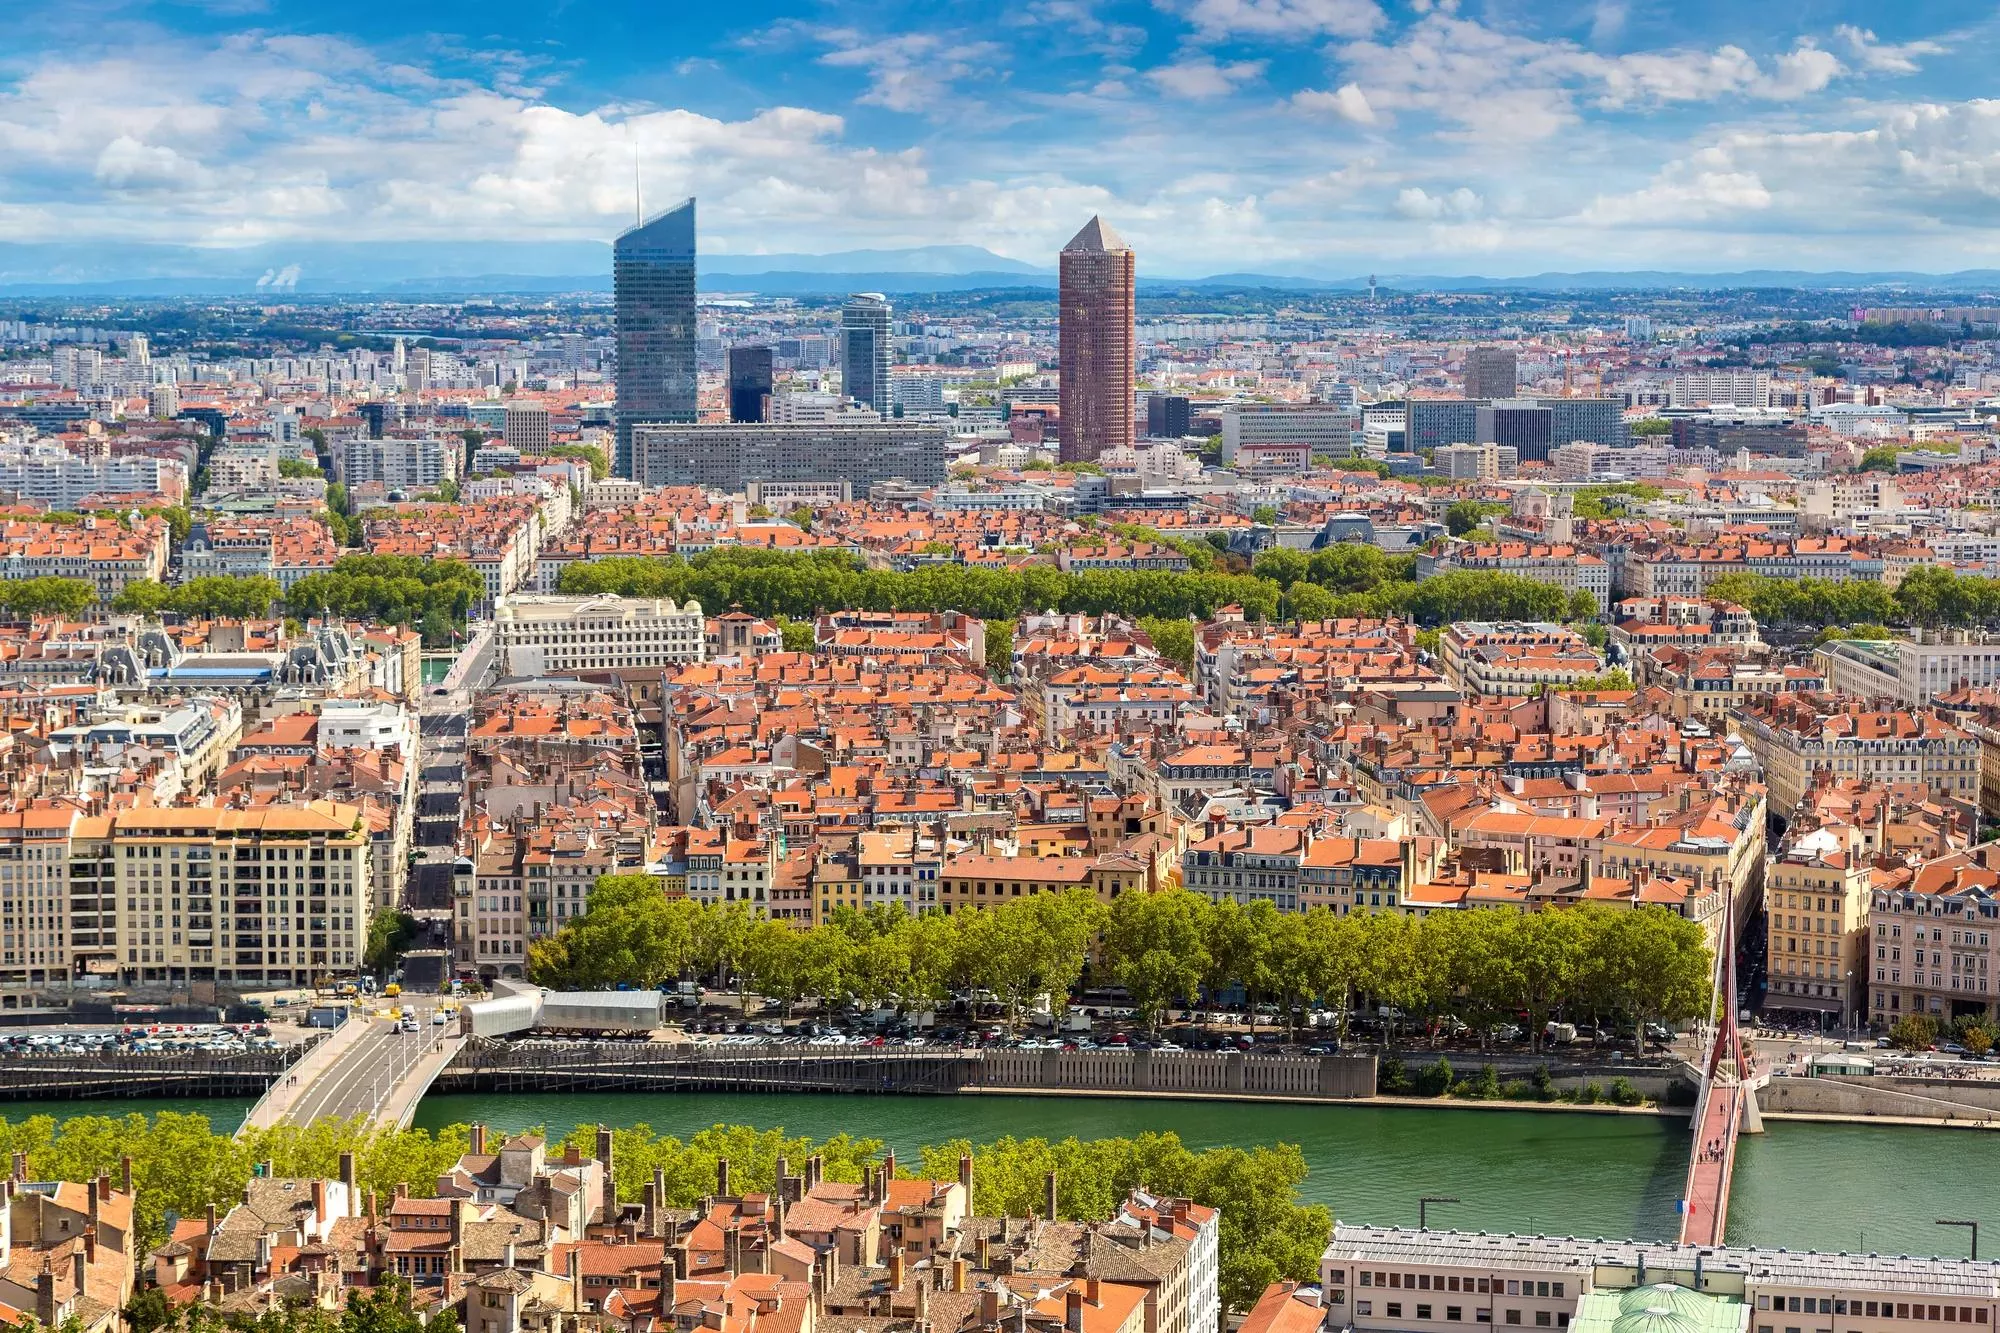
(151, 1039)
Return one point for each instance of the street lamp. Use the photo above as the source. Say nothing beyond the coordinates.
(1972, 1226)
(1426, 1201)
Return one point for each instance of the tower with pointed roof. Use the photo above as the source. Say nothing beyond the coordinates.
(652, 276)
(1098, 354)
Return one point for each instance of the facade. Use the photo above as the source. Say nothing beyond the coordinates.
(537, 634)
(1816, 897)
(1099, 355)
(402, 464)
(1599, 420)
(1797, 734)
(1167, 416)
(1490, 373)
(49, 475)
(527, 427)
(1514, 658)
(1720, 388)
(749, 383)
(729, 458)
(1934, 939)
(1433, 423)
(867, 349)
(1320, 428)
(652, 276)
(1911, 673)
(1402, 1280)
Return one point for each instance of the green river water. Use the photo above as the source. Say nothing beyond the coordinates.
(1805, 1186)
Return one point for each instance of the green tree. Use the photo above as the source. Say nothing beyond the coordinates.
(1174, 640)
(1914, 1032)
(390, 934)
(1463, 517)
(1882, 458)
(298, 467)
(1156, 946)
(63, 598)
(1265, 514)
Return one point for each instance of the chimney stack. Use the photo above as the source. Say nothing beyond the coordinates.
(1073, 1309)
(668, 1277)
(478, 1139)
(722, 1178)
(888, 1170)
(1050, 1186)
(989, 1304)
(965, 1179)
(1092, 1291)
(958, 1274)
(610, 1180)
(347, 1183)
(897, 1272)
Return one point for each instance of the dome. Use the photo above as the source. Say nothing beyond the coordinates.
(1656, 1319)
(1663, 1296)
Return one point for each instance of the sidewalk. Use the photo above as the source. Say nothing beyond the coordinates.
(280, 1097)
(397, 1108)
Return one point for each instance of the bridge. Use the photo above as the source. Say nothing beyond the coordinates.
(1725, 1106)
(369, 1068)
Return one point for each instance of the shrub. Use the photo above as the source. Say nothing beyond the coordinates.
(1623, 1093)
(1392, 1076)
(1435, 1080)
(1544, 1085)
(1590, 1094)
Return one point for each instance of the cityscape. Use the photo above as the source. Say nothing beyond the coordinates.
(1393, 724)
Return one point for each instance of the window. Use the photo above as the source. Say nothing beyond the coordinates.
(1364, 1307)
(1541, 1319)
(1451, 1312)
(1423, 1312)
(1395, 1309)
(1513, 1316)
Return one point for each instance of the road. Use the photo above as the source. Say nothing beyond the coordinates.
(362, 1077)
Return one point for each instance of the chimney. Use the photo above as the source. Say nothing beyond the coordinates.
(478, 1139)
(347, 1183)
(319, 1200)
(45, 1296)
(888, 1170)
(89, 1248)
(402, 1189)
(778, 1206)
(722, 1178)
(958, 1275)
(604, 1156)
(1093, 1292)
(508, 1260)
(732, 1250)
(457, 1222)
(989, 1304)
(778, 1174)
(668, 1277)
(1073, 1309)
(1050, 1188)
(210, 1215)
(575, 1273)
(814, 1165)
(660, 1200)
(983, 1252)
(79, 1272)
(91, 1194)
(650, 1207)
(371, 1206)
(897, 1272)
(965, 1179)
(20, 1170)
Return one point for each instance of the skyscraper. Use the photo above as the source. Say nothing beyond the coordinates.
(749, 382)
(1490, 372)
(1097, 274)
(866, 350)
(652, 276)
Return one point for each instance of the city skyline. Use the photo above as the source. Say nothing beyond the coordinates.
(1301, 136)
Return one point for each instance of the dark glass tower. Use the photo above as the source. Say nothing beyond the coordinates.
(866, 350)
(749, 382)
(652, 276)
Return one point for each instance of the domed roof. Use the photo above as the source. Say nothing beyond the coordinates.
(1663, 1296)
(1656, 1319)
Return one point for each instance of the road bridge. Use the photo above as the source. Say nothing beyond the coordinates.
(368, 1069)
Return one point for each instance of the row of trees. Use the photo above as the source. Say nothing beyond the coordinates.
(1166, 949)
(1481, 966)
(1927, 596)
(180, 1165)
(769, 583)
(68, 598)
(246, 597)
(432, 595)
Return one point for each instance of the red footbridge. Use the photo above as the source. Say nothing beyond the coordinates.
(1725, 1107)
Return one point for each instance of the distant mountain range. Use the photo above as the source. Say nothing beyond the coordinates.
(438, 268)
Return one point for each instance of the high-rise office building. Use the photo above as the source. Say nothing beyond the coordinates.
(1097, 274)
(1433, 423)
(652, 276)
(749, 383)
(729, 458)
(1598, 420)
(866, 349)
(1490, 372)
(1167, 416)
(526, 427)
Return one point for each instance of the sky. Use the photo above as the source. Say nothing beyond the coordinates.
(1324, 137)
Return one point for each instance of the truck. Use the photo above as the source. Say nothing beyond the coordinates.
(1561, 1034)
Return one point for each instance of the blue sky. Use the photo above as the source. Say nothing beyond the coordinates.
(1313, 136)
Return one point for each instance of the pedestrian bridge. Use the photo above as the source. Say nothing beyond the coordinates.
(1725, 1107)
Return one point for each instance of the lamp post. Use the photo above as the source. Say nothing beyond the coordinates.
(1971, 1226)
(1424, 1203)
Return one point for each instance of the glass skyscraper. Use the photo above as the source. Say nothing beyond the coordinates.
(652, 277)
(866, 350)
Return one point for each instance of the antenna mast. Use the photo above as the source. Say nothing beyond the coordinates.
(638, 202)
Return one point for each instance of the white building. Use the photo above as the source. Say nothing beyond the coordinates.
(1912, 673)
(51, 475)
(364, 724)
(1720, 388)
(1321, 427)
(401, 464)
(539, 633)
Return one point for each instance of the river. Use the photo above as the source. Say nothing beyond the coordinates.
(1804, 1186)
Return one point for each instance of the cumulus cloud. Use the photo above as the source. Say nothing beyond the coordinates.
(1457, 205)
(910, 71)
(1347, 102)
(1883, 57)
(1199, 77)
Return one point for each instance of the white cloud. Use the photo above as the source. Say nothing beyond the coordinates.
(1280, 19)
(912, 71)
(1459, 204)
(1347, 102)
(1200, 78)
(1678, 197)
(1883, 57)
